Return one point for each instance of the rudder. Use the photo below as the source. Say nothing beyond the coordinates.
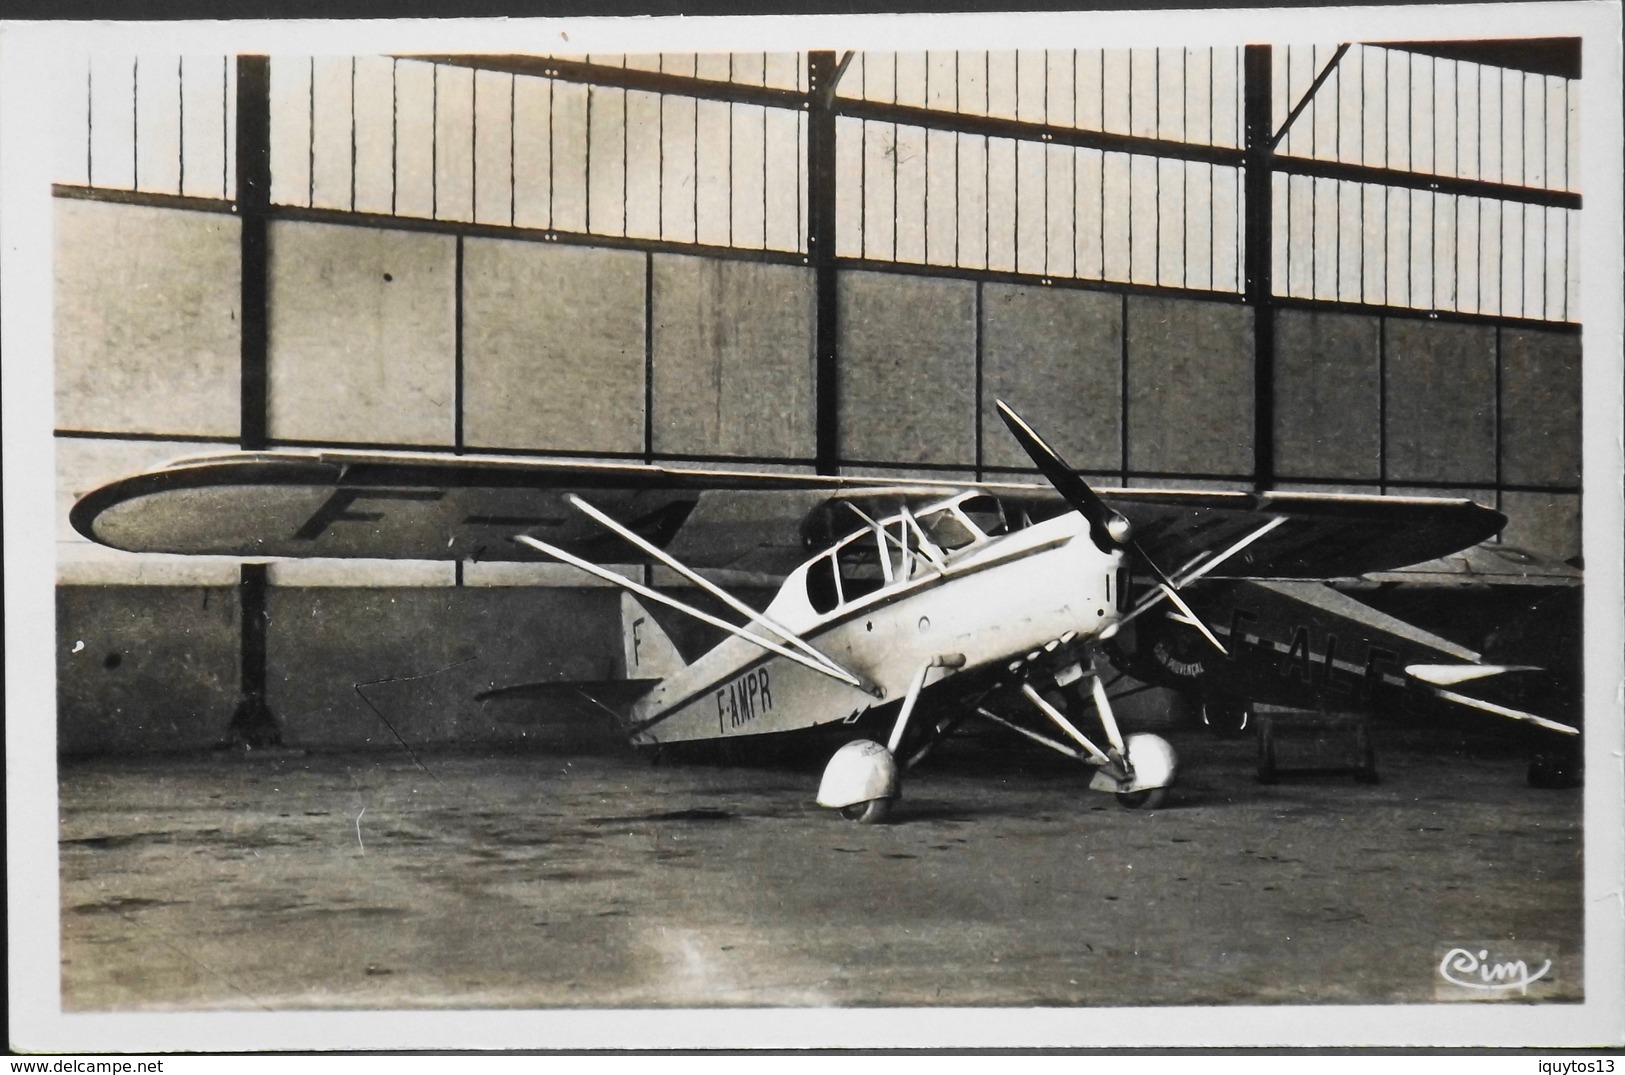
(649, 651)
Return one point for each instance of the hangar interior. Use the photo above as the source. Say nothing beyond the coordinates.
(1323, 267)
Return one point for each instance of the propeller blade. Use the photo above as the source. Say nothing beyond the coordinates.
(1103, 521)
(1073, 489)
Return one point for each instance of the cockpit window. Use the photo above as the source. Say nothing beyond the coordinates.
(985, 513)
(945, 530)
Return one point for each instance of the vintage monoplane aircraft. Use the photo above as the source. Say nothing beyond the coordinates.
(962, 599)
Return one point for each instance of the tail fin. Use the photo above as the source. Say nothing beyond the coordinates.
(650, 652)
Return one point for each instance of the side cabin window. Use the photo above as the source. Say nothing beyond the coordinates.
(858, 558)
(850, 571)
(823, 593)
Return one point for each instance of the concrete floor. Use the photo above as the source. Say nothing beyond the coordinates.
(542, 880)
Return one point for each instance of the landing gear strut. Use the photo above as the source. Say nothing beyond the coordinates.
(1136, 770)
(863, 779)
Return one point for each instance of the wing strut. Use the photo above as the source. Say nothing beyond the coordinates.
(704, 617)
(1167, 590)
(707, 585)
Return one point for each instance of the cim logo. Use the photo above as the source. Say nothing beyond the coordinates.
(1485, 974)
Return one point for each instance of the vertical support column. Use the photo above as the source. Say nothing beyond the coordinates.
(253, 198)
(253, 724)
(821, 75)
(1258, 95)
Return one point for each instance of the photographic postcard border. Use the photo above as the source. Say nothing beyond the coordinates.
(27, 51)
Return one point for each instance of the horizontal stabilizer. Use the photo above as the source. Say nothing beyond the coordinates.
(565, 701)
(1448, 675)
(1507, 711)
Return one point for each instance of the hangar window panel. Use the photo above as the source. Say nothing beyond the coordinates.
(569, 162)
(70, 149)
(533, 144)
(909, 159)
(713, 209)
(157, 107)
(111, 88)
(605, 161)
(375, 135)
(747, 194)
(645, 127)
(332, 112)
(413, 138)
(453, 192)
(999, 224)
(679, 165)
(204, 126)
(492, 151)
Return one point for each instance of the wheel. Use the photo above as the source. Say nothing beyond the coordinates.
(1226, 718)
(872, 812)
(1145, 799)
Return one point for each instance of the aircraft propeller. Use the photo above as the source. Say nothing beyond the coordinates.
(1109, 529)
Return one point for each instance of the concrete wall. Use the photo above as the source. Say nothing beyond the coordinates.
(733, 357)
(144, 668)
(1057, 358)
(361, 335)
(435, 648)
(553, 347)
(1190, 386)
(1327, 395)
(907, 377)
(146, 320)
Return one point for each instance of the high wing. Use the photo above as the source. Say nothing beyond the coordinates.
(425, 506)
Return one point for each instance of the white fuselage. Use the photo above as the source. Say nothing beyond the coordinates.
(988, 600)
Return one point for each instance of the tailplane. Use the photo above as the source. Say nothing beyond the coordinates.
(649, 651)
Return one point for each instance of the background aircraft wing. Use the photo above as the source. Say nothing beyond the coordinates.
(440, 506)
(1323, 535)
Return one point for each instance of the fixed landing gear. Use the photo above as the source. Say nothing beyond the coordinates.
(1136, 769)
(1227, 718)
(872, 812)
(863, 780)
(1149, 799)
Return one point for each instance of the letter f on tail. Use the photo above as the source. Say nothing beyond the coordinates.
(649, 651)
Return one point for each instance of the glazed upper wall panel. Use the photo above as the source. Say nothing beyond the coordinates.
(1394, 109)
(1184, 94)
(448, 142)
(378, 135)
